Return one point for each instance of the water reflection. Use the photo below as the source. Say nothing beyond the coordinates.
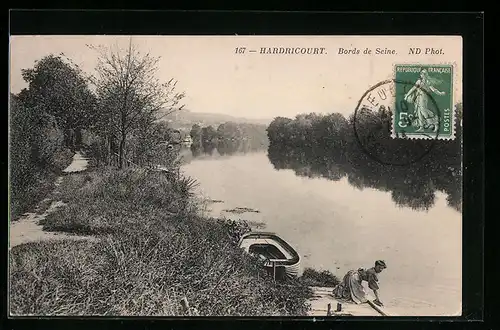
(227, 147)
(412, 186)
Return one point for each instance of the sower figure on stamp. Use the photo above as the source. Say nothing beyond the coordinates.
(351, 288)
(419, 95)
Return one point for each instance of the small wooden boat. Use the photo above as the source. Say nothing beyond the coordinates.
(280, 258)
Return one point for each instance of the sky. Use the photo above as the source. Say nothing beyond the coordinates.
(253, 85)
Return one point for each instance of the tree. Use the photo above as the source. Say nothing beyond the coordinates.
(229, 130)
(278, 130)
(152, 145)
(331, 131)
(60, 90)
(208, 135)
(195, 134)
(130, 94)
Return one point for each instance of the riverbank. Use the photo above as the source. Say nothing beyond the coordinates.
(152, 250)
(27, 228)
(32, 184)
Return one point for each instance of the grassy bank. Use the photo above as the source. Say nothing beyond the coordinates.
(324, 278)
(30, 186)
(153, 250)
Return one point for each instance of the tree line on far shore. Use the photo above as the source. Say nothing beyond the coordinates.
(361, 148)
(228, 138)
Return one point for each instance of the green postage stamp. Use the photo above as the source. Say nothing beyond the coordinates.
(424, 102)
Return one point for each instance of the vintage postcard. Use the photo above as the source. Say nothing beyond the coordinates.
(235, 176)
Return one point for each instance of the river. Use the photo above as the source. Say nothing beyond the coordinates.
(337, 225)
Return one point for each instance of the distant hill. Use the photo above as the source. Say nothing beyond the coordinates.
(186, 119)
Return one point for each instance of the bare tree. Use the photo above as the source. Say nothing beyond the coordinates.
(130, 93)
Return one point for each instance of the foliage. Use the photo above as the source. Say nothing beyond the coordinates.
(328, 146)
(152, 251)
(324, 278)
(235, 228)
(45, 120)
(229, 138)
(229, 130)
(209, 135)
(195, 134)
(130, 96)
(37, 154)
(60, 90)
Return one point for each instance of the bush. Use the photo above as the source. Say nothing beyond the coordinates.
(95, 148)
(30, 184)
(323, 278)
(25, 195)
(61, 159)
(37, 155)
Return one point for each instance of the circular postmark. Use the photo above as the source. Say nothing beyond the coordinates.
(382, 107)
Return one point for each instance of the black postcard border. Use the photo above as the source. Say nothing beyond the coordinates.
(468, 25)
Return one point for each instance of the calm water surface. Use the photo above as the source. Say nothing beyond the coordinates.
(338, 227)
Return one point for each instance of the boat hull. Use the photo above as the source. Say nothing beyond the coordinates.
(286, 265)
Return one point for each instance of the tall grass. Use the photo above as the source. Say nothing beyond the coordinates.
(30, 187)
(325, 278)
(153, 249)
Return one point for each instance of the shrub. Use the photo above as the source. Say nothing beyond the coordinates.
(325, 278)
(37, 155)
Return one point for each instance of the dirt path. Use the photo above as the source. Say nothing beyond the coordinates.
(78, 164)
(28, 228)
